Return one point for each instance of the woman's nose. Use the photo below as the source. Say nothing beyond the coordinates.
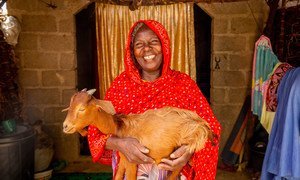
(147, 47)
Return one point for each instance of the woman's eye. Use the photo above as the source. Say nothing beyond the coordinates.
(155, 41)
(138, 45)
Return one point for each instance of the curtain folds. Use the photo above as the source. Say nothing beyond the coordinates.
(113, 23)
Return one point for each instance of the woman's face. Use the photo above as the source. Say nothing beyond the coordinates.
(147, 50)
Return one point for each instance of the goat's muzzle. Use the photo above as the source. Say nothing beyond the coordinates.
(68, 128)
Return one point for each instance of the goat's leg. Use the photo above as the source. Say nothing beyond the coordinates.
(120, 173)
(174, 175)
(121, 168)
(131, 171)
(126, 168)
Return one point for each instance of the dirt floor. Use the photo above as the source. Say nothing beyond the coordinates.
(225, 175)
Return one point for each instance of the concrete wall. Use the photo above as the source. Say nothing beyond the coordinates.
(235, 28)
(47, 74)
(47, 57)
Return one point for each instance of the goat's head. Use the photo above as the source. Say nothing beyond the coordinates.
(83, 111)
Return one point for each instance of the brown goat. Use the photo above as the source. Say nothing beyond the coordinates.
(161, 130)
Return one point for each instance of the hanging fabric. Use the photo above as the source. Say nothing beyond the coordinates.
(269, 90)
(264, 61)
(282, 158)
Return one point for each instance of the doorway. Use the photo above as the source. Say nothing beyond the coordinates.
(202, 28)
(87, 71)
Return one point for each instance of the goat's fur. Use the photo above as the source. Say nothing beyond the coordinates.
(161, 130)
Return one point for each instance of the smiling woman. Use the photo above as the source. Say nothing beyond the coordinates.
(148, 82)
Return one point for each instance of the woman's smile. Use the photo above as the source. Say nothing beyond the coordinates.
(149, 57)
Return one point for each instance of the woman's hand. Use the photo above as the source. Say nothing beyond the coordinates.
(178, 159)
(132, 149)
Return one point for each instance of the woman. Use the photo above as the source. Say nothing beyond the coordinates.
(149, 83)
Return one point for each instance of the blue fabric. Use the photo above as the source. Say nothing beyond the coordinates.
(282, 158)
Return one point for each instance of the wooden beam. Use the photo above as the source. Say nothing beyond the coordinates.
(162, 2)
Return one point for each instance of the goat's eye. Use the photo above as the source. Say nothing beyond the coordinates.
(81, 109)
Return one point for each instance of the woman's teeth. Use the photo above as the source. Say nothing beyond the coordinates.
(149, 57)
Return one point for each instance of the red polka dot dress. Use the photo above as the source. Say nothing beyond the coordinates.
(130, 94)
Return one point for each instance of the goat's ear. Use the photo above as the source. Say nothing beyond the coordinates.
(107, 106)
(66, 109)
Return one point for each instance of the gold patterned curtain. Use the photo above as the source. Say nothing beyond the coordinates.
(113, 23)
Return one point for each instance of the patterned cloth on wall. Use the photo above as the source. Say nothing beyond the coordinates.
(270, 95)
(276, 77)
(285, 40)
(264, 62)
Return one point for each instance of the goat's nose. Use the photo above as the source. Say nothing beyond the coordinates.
(65, 126)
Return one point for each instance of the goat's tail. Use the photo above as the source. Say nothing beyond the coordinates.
(196, 132)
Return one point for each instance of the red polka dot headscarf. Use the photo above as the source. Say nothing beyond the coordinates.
(162, 34)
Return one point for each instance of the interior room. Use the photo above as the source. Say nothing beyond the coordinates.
(52, 49)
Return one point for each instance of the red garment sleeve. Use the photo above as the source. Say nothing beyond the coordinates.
(97, 141)
(204, 162)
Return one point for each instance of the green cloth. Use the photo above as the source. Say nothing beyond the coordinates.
(81, 176)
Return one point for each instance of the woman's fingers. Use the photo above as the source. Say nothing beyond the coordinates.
(143, 159)
(179, 158)
(179, 152)
(167, 164)
(172, 165)
(141, 155)
(135, 152)
(142, 148)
